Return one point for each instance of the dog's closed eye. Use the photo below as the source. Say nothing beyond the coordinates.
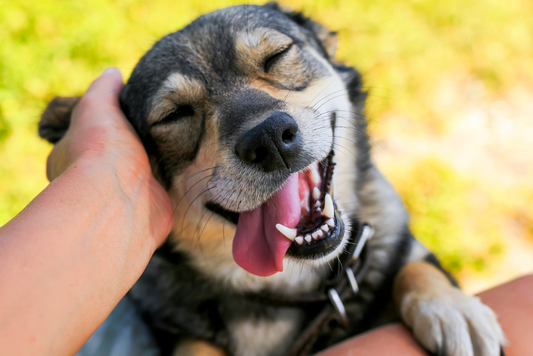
(272, 59)
(179, 113)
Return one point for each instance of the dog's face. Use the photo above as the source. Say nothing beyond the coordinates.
(244, 116)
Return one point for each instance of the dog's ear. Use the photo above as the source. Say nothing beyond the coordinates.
(326, 38)
(56, 117)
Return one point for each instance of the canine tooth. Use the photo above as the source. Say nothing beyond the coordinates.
(287, 232)
(316, 193)
(299, 240)
(325, 228)
(320, 233)
(330, 222)
(315, 234)
(308, 238)
(328, 207)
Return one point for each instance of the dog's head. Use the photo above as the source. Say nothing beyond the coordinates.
(249, 123)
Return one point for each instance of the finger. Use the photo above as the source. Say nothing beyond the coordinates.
(107, 85)
(102, 95)
(98, 108)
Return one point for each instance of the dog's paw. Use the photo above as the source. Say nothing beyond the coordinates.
(453, 323)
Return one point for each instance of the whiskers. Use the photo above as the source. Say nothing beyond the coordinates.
(200, 217)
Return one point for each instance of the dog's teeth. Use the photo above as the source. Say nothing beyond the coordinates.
(287, 232)
(299, 240)
(328, 207)
(330, 222)
(320, 233)
(315, 234)
(315, 176)
(325, 228)
(308, 238)
(318, 209)
(316, 193)
(317, 204)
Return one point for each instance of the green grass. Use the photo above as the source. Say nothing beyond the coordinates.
(403, 48)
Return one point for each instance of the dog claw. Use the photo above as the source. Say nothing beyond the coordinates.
(441, 352)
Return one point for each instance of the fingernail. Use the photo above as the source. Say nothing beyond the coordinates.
(110, 70)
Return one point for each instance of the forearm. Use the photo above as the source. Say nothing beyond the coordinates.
(512, 303)
(64, 260)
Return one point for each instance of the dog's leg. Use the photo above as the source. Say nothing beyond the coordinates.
(444, 319)
(192, 347)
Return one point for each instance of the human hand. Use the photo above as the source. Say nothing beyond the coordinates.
(100, 138)
(72, 254)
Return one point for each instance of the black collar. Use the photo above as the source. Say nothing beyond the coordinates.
(341, 284)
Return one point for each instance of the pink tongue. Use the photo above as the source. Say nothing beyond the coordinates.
(258, 246)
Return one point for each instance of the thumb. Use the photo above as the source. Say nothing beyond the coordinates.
(100, 103)
(110, 81)
(102, 93)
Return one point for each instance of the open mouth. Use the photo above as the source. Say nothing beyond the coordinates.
(320, 228)
(300, 220)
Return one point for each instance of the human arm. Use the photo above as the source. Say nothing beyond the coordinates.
(69, 257)
(512, 303)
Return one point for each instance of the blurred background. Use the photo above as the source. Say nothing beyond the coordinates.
(450, 105)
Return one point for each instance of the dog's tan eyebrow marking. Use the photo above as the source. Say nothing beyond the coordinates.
(255, 46)
(177, 89)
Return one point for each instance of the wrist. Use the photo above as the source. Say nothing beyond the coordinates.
(110, 222)
(110, 175)
(130, 184)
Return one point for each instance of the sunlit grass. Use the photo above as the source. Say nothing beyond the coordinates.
(406, 50)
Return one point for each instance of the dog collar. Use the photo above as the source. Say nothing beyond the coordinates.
(342, 284)
(352, 266)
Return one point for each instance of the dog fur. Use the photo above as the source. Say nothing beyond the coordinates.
(190, 98)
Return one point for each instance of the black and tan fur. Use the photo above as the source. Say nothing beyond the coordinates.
(190, 98)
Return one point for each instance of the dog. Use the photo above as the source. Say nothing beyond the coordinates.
(259, 136)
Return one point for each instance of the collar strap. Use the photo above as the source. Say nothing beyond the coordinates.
(341, 284)
(352, 266)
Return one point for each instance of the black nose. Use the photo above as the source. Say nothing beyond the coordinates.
(272, 145)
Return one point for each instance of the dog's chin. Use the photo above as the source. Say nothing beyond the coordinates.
(313, 235)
